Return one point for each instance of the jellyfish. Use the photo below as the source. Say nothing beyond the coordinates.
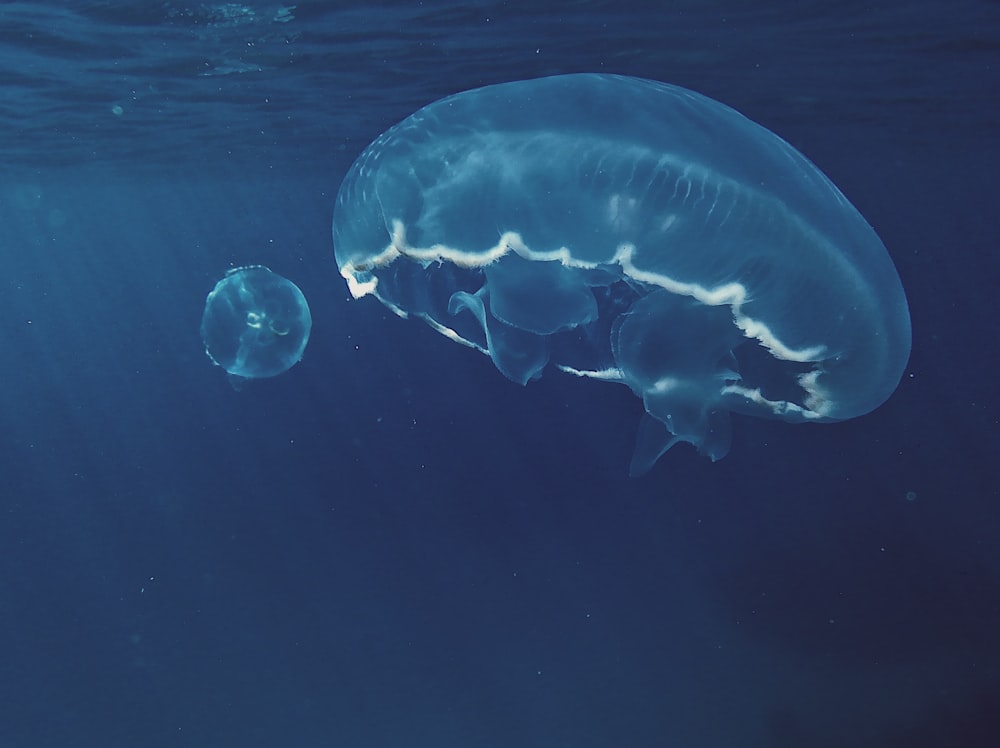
(256, 324)
(629, 231)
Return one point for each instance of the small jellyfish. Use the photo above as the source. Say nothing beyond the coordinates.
(256, 324)
(630, 231)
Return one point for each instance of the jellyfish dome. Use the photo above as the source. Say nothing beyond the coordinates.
(629, 231)
(256, 324)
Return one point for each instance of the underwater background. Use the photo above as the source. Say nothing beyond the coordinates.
(391, 544)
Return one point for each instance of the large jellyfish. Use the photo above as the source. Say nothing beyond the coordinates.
(629, 231)
(256, 324)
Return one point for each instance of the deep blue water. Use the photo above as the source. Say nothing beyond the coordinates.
(391, 545)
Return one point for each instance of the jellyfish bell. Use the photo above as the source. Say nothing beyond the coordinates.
(628, 230)
(256, 324)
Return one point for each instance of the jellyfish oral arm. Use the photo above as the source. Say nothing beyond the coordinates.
(363, 281)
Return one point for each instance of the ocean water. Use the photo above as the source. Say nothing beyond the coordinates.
(393, 546)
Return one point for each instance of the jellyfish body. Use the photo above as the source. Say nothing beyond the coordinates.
(256, 323)
(632, 231)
